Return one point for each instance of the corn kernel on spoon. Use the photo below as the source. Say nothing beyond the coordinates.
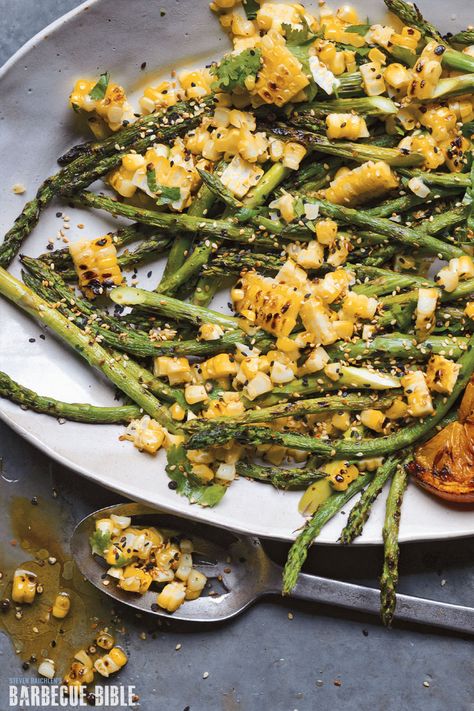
(239, 572)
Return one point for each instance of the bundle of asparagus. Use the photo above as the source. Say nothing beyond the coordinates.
(316, 170)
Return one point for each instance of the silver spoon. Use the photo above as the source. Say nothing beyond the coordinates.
(240, 572)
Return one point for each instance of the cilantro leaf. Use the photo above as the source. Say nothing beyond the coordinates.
(251, 7)
(98, 91)
(233, 69)
(99, 541)
(358, 29)
(164, 194)
(179, 470)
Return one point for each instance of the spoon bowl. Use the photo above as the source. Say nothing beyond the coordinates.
(239, 572)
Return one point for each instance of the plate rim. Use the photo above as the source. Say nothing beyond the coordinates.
(194, 512)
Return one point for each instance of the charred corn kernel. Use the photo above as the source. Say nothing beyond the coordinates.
(240, 175)
(281, 76)
(158, 97)
(317, 320)
(326, 232)
(346, 126)
(397, 76)
(177, 412)
(272, 306)
(221, 408)
(372, 78)
(118, 655)
(253, 146)
(333, 286)
(373, 419)
(315, 362)
(258, 385)
(426, 310)
(417, 393)
(456, 152)
(177, 370)
(96, 265)
(469, 310)
(426, 145)
(359, 306)
(61, 606)
(172, 596)
(111, 662)
(397, 409)
(195, 584)
(135, 580)
(79, 673)
(195, 393)
(340, 474)
(442, 374)
(24, 586)
(339, 252)
(196, 84)
(408, 38)
(113, 108)
(341, 421)
(146, 434)
(293, 154)
(226, 472)
(448, 278)
(219, 366)
(366, 182)
(47, 669)
(104, 640)
(427, 71)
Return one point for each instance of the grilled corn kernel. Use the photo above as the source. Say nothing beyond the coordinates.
(373, 419)
(272, 306)
(426, 310)
(397, 76)
(177, 412)
(425, 145)
(408, 38)
(195, 584)
(293, 154)
(427, 71)
(195, 393)
(104, 640)
(113, 108)
(397, 409)
(172, 596)
(442, 374)
(317, 320)
(61, 606)
(373, 78)
(341, 474)
(469, 310)
(146, 434)
(24, 586)
(219, 366)
(177, 370)
(417, 393)
(359, 306)
(196, 84)
(341, 421)
(366, 182)
(281, 75)
(346, 126)
(240, 175)
(96, 265)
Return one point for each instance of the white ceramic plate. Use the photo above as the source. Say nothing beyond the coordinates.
(36, 126)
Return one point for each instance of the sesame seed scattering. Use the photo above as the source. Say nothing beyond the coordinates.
(320, 172)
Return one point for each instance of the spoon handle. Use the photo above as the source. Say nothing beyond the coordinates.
(409, 609)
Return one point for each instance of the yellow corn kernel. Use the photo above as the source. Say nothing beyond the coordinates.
(366, 182)
(195, 393)
(176, 369)
(335, 61)
(344, 329)
(61, 606)
(326, 232)
(217, 5)
(469, 310)
(346, 126)
(333, 286)
(341, 474)
(427, 71)
(281, 76)
(293, 154)
(78, 675)
(372, 78)
(104, 640)
(158, 97)
(111, 662)
(408, 38)
(442, 374)
(418, 395)
(219, 366)
(425, 145)
(272, 306)
(177, 412)
(172, 596)
(118, 656)
(272, 16)
(441, 122)
(426, 310)
(146, 434)
(456, 152)
(359, 306)
(113, 108)
(317, 320)
(334, 30)
(397, 409)
(375, 55)
(397, 76)
(24, 586)
(195, 584)
(196, 84)
(96, 265)
(309, 257)
(341, 421)
(373, 419)
(135, 580)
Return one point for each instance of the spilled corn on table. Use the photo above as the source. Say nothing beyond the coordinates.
(322, 172)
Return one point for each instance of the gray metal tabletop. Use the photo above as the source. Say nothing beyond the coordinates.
(280, 655)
